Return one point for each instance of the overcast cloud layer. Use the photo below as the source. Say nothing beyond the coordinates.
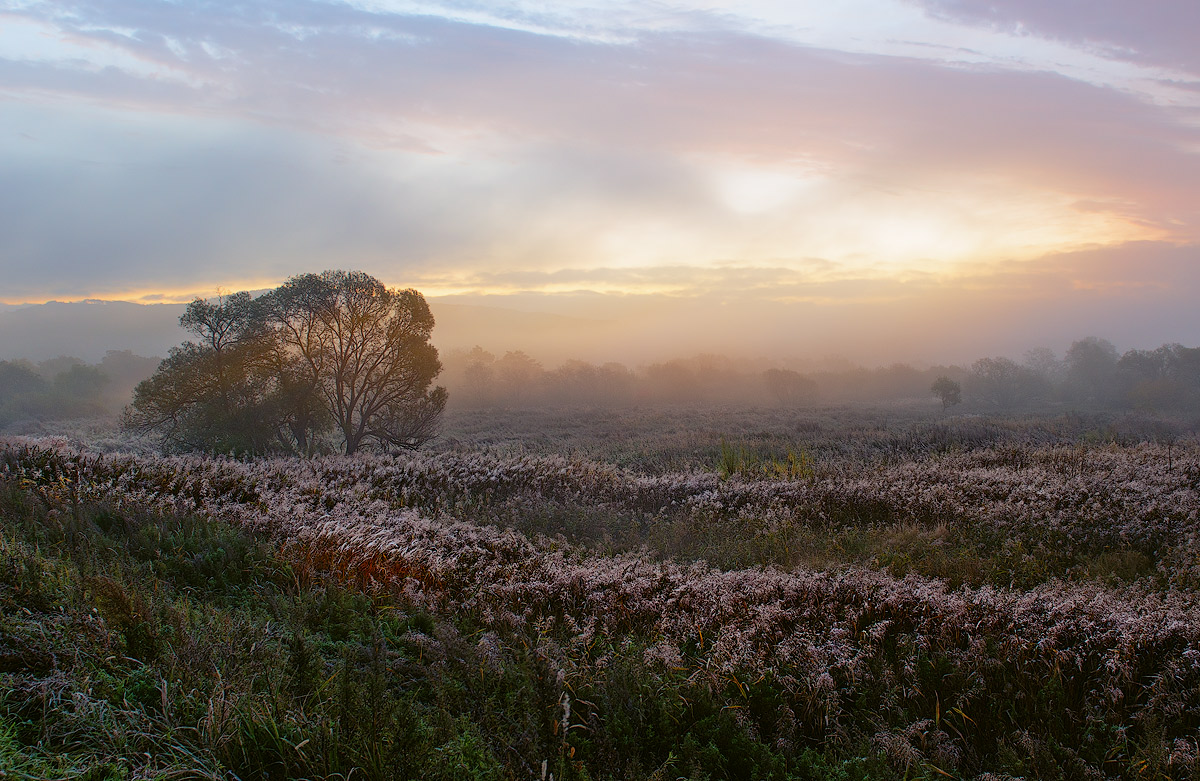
(875, 164)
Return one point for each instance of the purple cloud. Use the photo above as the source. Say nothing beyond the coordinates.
(1160, 33)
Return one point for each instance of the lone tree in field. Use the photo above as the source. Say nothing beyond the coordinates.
(336, 350)
(221, 393)
(366, 351)
(949, 391)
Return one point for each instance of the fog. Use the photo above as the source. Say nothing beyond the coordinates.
(84, 359)
(643, 330)
(1091, 375)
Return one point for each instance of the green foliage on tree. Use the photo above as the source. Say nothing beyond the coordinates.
(336, 351)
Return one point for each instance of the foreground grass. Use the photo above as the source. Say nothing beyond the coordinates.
(138, 645)
(161, 644)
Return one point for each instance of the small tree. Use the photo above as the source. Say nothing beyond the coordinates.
(789, 388)
(1092, 370)
(479, 378)
(1003, 383)
(519, 375)
(949, 391)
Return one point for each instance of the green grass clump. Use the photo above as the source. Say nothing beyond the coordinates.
(746, 461)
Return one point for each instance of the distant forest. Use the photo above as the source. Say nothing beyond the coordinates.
(66, 387)
(1092, 374)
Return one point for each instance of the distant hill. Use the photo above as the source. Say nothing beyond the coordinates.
(88, 329)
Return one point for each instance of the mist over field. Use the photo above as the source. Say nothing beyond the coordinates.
(637, 331)
(73, 374)
(599, 391)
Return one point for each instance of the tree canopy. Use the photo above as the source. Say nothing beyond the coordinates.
(947, 390)
(336, 352)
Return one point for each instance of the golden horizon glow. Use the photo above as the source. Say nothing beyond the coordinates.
(694, 280)
(135, 295)
(935, 236)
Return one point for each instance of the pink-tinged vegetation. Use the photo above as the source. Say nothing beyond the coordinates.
(426, 526)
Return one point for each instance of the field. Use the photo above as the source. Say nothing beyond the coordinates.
(688, 592)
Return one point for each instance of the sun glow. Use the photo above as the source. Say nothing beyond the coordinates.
(942, 230)
(882, 238)
(755, 190)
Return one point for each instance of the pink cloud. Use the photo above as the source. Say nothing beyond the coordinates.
(872, 121)
(599, 132)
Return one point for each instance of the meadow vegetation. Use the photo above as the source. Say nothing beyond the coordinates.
(679, 593)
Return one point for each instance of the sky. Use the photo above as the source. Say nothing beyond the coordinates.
(924, 179)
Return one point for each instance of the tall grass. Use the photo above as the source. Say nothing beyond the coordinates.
(1027, 610)
(137, 642)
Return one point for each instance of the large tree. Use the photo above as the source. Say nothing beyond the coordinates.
(365, 349)
(225, 392)
(333, 350)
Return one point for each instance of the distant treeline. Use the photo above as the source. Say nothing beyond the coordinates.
(66, 387)
(1092, 374)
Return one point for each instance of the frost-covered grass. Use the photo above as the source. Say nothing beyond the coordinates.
(1003, 597)
(656, 439)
